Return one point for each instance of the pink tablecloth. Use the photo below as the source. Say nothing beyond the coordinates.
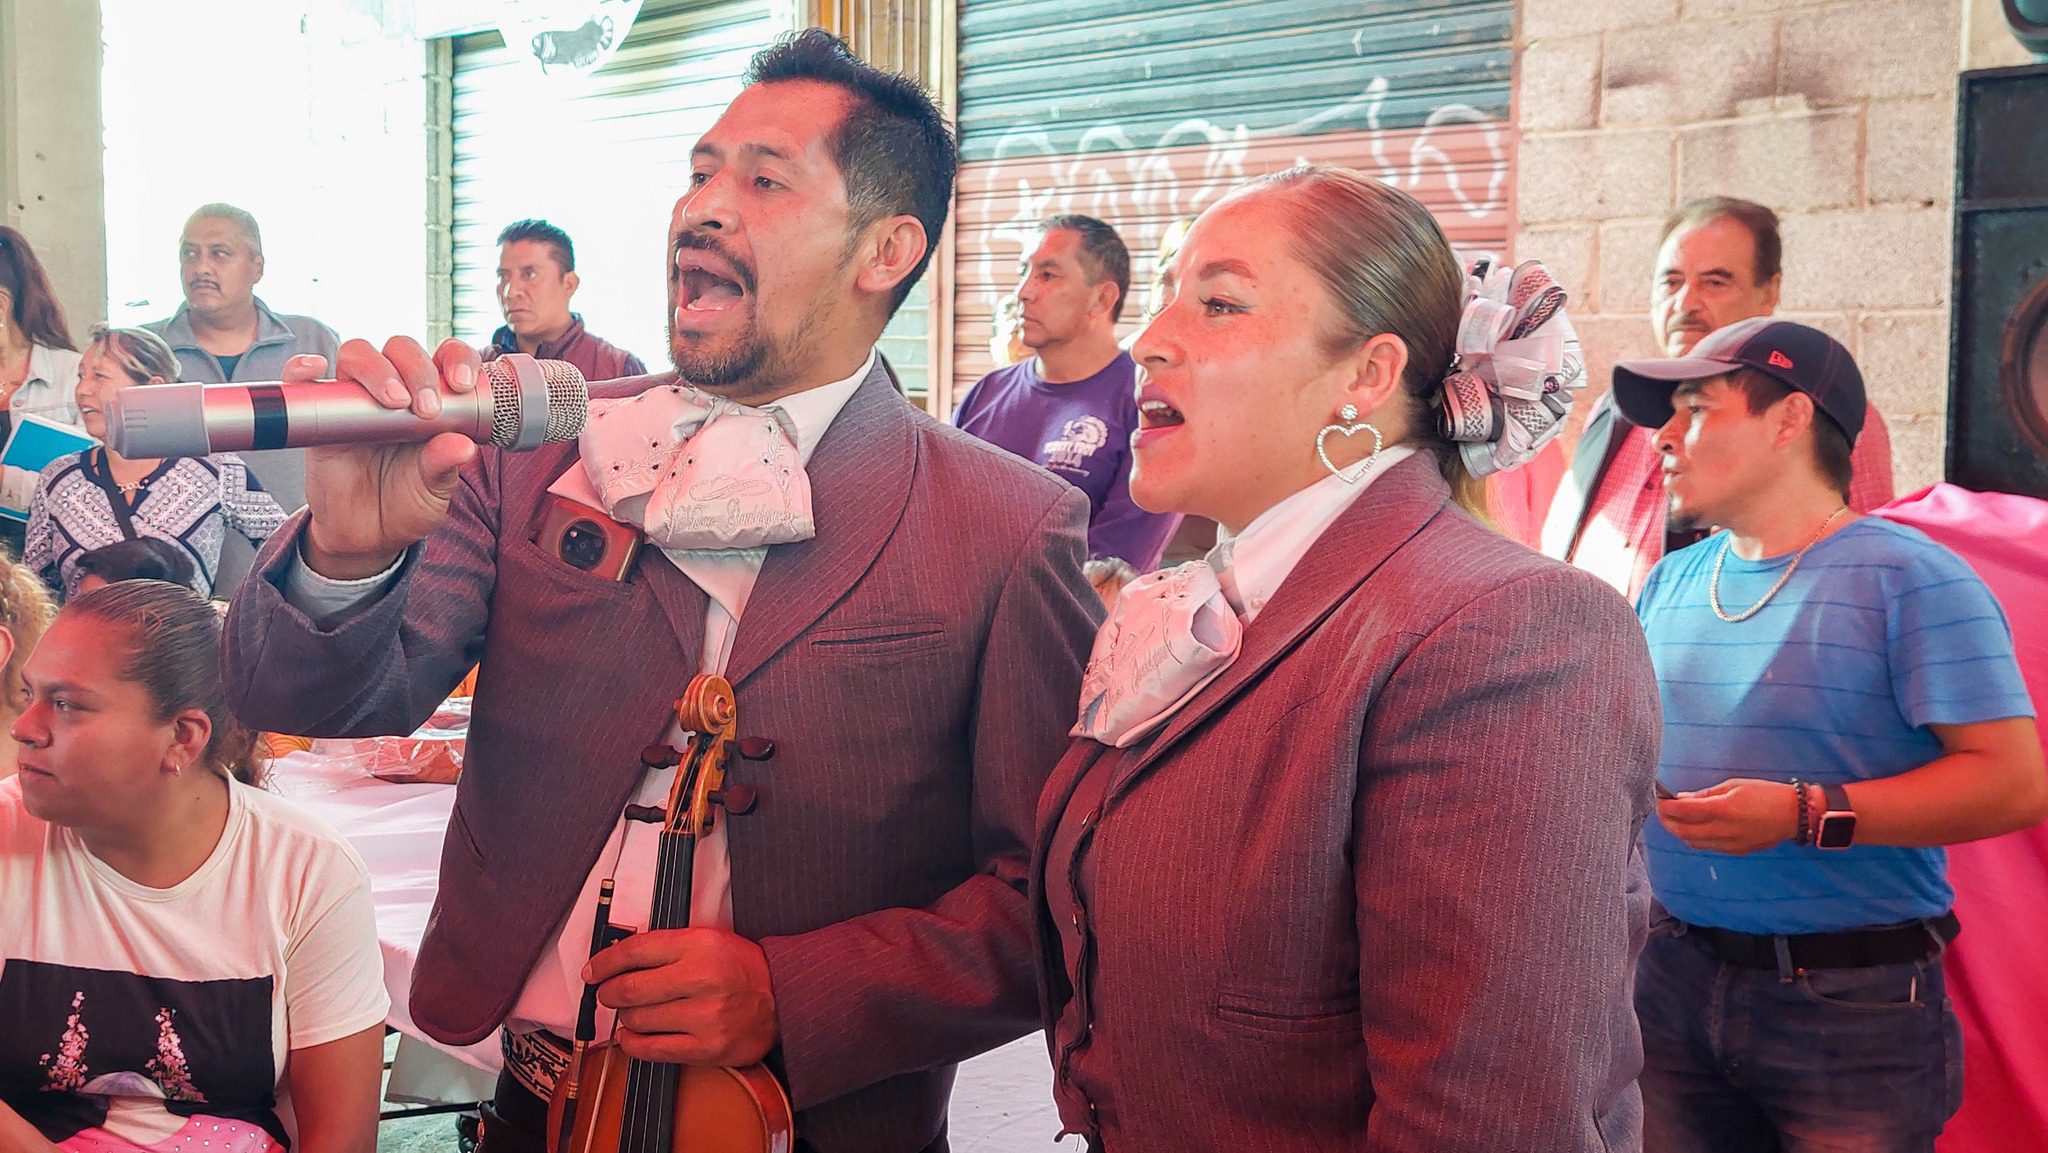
(1998, 971)
(397, 829)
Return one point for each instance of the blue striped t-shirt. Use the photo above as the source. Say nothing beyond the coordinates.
(1881, 633)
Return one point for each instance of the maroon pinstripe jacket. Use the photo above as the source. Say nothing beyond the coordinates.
(1378, 886)
(916, 665)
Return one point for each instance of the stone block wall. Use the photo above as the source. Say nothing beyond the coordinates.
(1839, 115)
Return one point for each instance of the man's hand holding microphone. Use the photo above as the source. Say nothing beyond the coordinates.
(386, 439)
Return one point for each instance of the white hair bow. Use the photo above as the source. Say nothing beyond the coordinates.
(1518, 367)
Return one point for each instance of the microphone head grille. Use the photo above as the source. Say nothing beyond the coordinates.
(567, 402)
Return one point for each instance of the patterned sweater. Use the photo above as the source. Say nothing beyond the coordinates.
(190, 501)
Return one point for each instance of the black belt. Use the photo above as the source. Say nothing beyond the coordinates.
(1854, 949)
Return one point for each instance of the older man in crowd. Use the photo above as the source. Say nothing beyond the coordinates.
(224, 333)
(1719, 261)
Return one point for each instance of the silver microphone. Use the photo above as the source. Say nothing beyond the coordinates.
(520, 403)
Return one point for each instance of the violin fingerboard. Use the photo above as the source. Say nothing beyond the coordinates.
(648, 1122)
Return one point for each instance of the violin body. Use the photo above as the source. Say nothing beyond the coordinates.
(607, 1102)
(715, 1109)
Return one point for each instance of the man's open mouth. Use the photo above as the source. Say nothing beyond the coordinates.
(708, 282)
(1158, 414)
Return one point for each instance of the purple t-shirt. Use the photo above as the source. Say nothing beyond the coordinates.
(1081, 430)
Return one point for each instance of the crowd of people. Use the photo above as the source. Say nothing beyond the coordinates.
(1373, 828)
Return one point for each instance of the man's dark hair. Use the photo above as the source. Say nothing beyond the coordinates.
(548, 234)
(1103, 255)
(1831, 447)
(893, 148)
(142, 558)
(1761, 222)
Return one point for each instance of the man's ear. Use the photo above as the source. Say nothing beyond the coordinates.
(1771, 288)
(570, 280)
(1106, 296)
(889, 253)
(259, 269)
(1792, 418)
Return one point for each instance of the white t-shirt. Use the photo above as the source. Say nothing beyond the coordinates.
(133, 1017)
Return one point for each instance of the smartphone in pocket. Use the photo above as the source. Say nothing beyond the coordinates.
(585, 538)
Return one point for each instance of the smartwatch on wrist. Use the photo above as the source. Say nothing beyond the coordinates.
(1836, 826)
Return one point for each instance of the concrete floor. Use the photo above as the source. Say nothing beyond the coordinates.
(1002, 1103)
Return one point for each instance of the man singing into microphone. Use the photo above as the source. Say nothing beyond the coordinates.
(864, 929)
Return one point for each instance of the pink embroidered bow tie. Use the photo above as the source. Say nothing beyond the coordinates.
(1170, 634)
(696, 471)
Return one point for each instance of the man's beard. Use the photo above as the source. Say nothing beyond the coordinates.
(741, 361)
(754, 364)
(1677, 520)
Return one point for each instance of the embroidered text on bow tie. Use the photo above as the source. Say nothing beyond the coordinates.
(1170, 633)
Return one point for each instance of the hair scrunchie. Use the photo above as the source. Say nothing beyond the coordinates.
(1518, 367)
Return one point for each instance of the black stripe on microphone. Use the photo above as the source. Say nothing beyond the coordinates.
(271, 425)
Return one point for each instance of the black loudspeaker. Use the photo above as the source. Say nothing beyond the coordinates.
(1998, 395)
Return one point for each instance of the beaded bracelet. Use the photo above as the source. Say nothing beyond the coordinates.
(1805, 813)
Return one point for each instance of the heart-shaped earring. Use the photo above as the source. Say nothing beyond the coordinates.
(1351, 426)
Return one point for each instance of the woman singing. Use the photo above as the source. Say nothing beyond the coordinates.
(1345, 855)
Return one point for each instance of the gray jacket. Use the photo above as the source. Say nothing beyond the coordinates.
(279, 337)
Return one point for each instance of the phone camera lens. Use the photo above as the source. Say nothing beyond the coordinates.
(583, 545)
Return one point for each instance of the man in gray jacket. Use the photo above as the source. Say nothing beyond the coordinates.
(224, 333)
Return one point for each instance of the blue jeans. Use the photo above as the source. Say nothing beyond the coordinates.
(1741, 1060)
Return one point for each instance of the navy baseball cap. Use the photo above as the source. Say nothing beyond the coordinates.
(1800, 357)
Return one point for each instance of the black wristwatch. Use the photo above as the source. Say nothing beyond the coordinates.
(1836, 828)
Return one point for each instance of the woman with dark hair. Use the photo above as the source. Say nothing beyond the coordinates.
(38, 361)
(183, 957)
(97, 497)
(1345, 856)
(145, 558)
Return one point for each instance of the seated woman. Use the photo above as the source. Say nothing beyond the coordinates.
(185, 960)
(25, 611)
(97, 497)
(1346, 855)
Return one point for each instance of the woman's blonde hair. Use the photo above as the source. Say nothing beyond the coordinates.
(140, 353)
(25, 610)
(1389, 270)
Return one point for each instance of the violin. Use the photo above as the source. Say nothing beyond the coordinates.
(607, 1102)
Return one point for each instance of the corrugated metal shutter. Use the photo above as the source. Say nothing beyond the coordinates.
(1143, 111)
(604, 156)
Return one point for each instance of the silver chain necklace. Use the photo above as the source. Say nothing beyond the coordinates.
(1714, 585)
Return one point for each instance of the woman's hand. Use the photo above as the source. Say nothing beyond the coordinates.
(1736, 816)
(371, 502)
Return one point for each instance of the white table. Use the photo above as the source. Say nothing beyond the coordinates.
(397, 829)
